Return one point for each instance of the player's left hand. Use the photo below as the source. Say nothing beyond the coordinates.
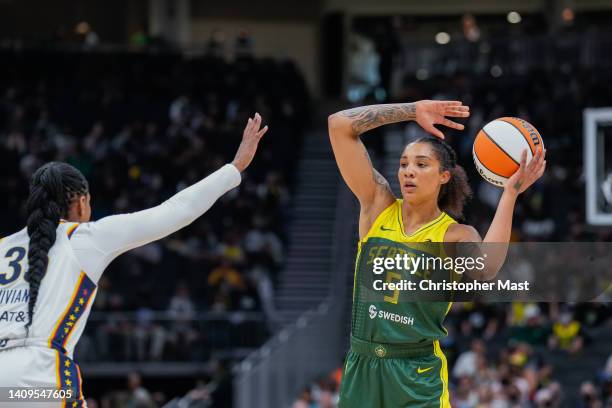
(250, 140)
(527, 174)
(430, 113)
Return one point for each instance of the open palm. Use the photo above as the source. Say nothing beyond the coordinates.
(430, 113)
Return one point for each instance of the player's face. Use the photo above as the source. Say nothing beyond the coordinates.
(419, 172)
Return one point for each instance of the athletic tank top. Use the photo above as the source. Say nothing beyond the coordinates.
(389, 316)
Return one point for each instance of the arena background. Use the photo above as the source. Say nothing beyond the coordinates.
(250, 306)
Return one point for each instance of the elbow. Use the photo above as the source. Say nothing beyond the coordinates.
(339, 126)
(332, 123)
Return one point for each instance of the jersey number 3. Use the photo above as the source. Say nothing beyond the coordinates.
(15, 255)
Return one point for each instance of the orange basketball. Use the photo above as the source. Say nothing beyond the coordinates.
(499, 145)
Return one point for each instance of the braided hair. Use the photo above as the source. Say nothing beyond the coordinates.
(456, 192)
(52, 188)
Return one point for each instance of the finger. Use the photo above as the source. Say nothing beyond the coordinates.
(434, 131)
(540, 171)
(523, 160)
(462, 108)
(451, 124)
(262, 131)
(534, 163)
(457, 114)
(539, 158)
(249, 126)
(257, 121)
(447, 104)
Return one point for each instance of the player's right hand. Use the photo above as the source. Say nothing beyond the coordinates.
(250, 139)
(527, 173)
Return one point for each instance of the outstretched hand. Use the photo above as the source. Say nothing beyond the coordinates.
(527, 174)
(430, 113)
(250, 140)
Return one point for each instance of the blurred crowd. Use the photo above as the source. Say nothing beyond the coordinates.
(213, 390)
(141, 127)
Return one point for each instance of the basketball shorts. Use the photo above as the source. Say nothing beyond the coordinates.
(380, 375)
(39, 368)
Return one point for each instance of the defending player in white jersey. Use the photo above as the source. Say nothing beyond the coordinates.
(49, 270)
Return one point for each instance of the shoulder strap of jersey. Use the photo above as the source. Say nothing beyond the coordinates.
(387, 214)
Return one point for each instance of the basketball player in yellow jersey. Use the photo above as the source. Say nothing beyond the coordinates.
(395, 358)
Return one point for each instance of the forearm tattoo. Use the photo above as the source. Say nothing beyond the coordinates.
(369, 117)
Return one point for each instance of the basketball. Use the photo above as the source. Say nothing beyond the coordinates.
(499, 145)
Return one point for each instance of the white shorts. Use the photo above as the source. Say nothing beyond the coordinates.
(38, 368)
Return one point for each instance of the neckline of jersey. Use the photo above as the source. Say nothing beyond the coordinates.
(422, 227)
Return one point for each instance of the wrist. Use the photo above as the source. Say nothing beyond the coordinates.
(238, 166)
(411, 108)
(510, 193)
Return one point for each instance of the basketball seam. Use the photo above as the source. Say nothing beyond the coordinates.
(500, 148)
(482, 164)
(519, 130)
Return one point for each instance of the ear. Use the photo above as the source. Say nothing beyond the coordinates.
(81, 205)
(445, 177)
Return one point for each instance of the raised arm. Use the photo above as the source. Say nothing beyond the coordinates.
(346, 126)
(96, 244)
(500, 229)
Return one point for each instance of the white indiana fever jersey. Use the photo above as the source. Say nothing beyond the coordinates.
(42, 356)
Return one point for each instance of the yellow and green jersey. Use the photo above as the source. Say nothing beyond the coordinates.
(391, 316)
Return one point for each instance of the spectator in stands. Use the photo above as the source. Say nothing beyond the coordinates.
(605, 379)
(468, 362)
(215, 46)
(259, 275)
(135, 396)
(529, 324)
(92, 403)
(244, 45)
(466, 394)
(149, 334)
(225, 279)
(324, 394)
(231, 248)
(589, 397)
(181, 311)
(305, 400)
(549, 396)
(566, 334)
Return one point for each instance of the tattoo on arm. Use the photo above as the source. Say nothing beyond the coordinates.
(517, 186)
(369, 117)
(378, 178)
